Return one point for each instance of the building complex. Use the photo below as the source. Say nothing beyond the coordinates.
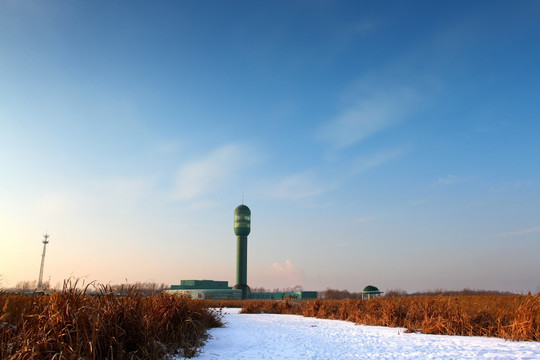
(220, 290)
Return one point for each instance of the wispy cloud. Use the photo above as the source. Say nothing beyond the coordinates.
(449, 180)
(518, 232)
(509, 186)
(369, 115)
(377, 159)
(208, 174)
(297, 186)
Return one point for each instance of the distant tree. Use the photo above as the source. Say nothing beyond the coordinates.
(396, 293)
(141, 288)
(442, 292)
(334, 294)
(26, 285)
(280, 290)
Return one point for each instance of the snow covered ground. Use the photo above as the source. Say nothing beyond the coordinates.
(268, 336)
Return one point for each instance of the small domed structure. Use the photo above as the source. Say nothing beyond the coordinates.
(370, 288)
(371, 292)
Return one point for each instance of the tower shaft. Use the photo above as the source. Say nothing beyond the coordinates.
(242, 228)
(241, 260)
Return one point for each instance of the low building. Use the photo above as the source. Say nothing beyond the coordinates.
(201, 284)
(209, 294)
(220, 290)
(206, 290)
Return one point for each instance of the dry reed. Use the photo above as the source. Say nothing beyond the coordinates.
(507, 317)
(74, 325)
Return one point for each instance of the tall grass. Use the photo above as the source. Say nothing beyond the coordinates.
(72, 325)
(507, 317)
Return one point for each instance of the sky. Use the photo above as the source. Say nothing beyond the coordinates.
(393, 143)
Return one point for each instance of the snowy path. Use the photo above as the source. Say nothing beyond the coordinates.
(268, 336)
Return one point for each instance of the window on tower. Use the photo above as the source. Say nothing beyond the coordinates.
(242, 217)
(241, 224)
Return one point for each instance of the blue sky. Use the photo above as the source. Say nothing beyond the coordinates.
(393, 144)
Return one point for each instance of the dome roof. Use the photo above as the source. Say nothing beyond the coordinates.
(243, 209)
(370, 288)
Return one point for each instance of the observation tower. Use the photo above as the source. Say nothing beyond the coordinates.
(242, 228)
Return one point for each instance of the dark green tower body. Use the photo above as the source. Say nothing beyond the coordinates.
(242, 228)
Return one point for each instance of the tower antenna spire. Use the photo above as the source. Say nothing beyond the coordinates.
(40, 279)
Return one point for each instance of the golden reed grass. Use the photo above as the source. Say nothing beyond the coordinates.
(507, 317)
(74, 325)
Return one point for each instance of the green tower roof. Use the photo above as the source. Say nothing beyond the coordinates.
(242, 209)
(370, 288)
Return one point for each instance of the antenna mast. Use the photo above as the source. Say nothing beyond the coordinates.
(40, 280)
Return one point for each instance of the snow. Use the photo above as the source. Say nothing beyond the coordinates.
(269, 336)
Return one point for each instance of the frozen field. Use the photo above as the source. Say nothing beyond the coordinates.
(268, 336)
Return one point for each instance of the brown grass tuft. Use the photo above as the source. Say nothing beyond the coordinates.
(72, 324)
(507, 317)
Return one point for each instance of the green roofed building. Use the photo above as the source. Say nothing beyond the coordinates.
(220, 290)
(201, 284)
(206, 289)
(370, 292)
